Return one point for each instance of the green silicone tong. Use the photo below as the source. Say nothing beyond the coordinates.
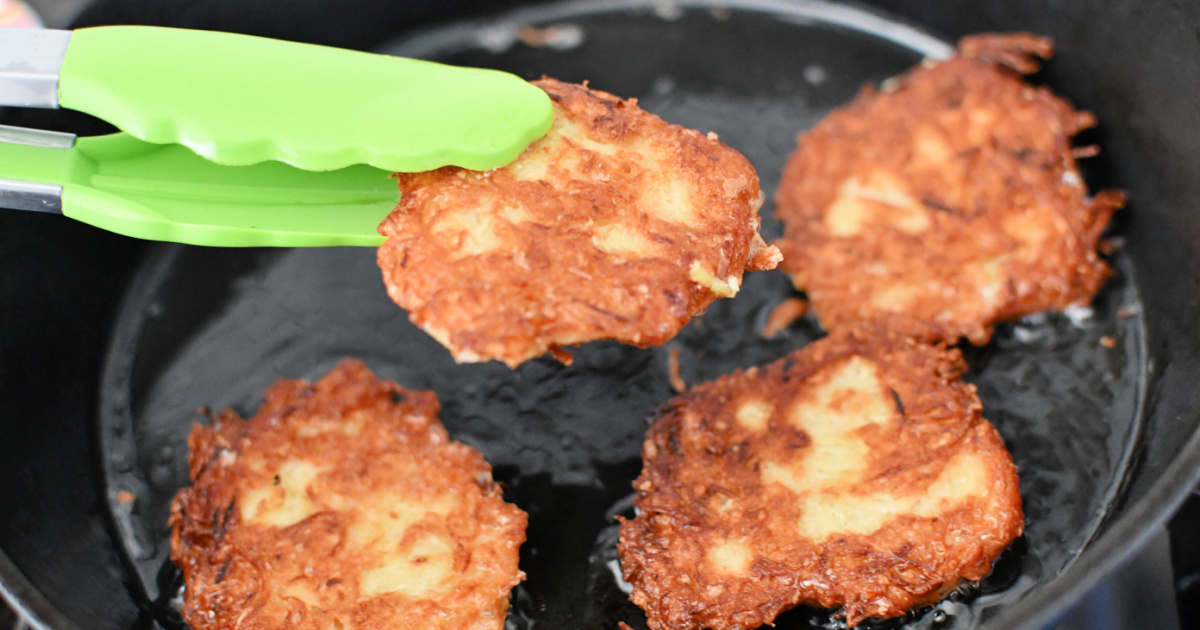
(233, 140)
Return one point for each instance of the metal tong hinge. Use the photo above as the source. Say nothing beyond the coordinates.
(37, 197)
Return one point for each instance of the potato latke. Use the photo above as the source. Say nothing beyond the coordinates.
(946, 202)
(341, 506)
(615, 225)
(856, 473)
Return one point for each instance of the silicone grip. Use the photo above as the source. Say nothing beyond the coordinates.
(168, 193)
(239, 100)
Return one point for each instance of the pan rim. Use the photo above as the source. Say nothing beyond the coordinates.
(1131, 529)
(846, 14)
(27, 601)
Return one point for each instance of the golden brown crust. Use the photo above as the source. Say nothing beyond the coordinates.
(947, 202)
(598, 231)
(746, 511)
(377, 481)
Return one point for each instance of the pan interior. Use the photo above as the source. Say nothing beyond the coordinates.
(212, 328)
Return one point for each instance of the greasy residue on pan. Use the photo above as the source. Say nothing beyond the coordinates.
(213, 328)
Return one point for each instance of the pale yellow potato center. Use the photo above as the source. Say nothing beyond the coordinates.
(882, 198)
(285, 503)
(828, 481)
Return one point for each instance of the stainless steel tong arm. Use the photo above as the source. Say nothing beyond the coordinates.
(35, 196)
(30, 61)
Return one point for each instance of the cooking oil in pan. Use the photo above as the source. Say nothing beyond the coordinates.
(566, 440)
(213, 328)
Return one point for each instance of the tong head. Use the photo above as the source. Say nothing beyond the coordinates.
(168, 193)
(239, 100)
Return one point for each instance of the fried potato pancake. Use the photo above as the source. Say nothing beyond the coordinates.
(615, 225)
(342, 505)
(856, 473)
(946, 202)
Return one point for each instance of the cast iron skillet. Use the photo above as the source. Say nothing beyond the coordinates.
(214, 327)
(1085, 423)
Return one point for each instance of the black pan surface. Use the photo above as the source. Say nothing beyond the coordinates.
(213, 328)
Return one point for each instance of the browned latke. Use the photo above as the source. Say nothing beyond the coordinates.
(342, 504)
(946, 202)
(615, 225)
(857, 473)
